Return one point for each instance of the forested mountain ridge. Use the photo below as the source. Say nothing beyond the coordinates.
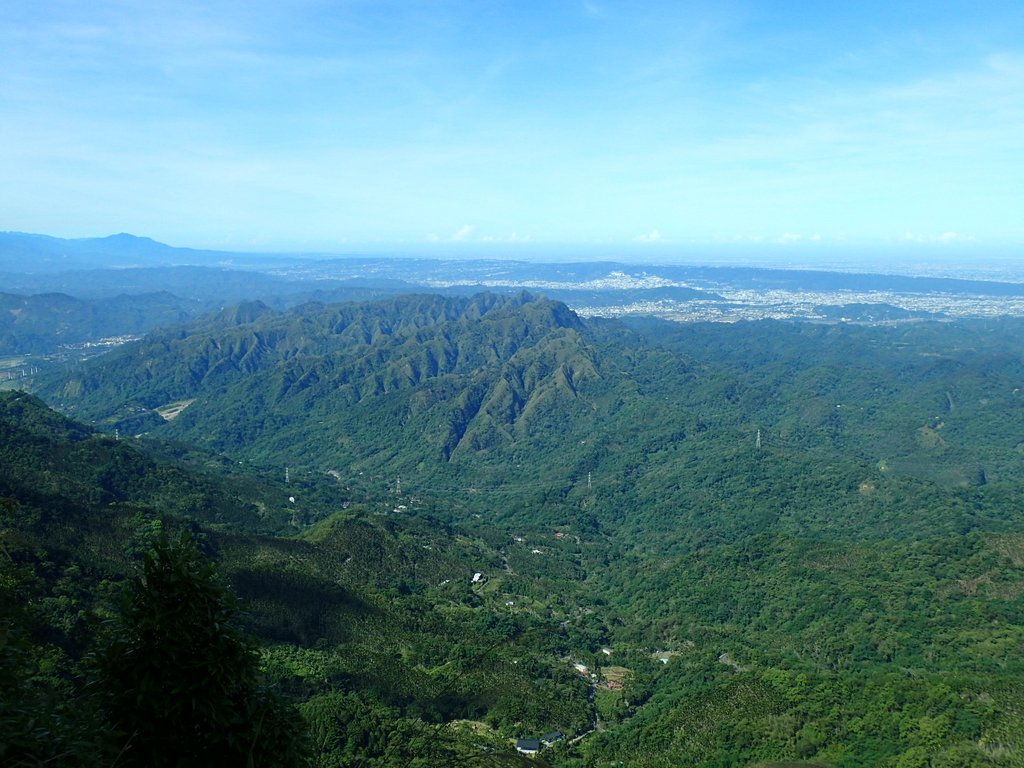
(784, 541)
(456, 373)
(456, 385)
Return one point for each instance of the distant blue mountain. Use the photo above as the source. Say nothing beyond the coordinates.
(125, 243)
(21, 252)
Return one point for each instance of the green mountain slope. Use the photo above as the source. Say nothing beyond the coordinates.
(380, 610)
(820, 430)
(44, 322)
(779, 541)
(404, 384)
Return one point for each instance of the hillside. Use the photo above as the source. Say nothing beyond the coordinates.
(488, 391)
(771, 541)
(47, 322)
(329, 386)
(379, 611)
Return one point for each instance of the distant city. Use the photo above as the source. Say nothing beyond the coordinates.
(711, 294)
(843, 287)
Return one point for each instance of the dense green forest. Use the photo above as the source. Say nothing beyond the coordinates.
(455, 522)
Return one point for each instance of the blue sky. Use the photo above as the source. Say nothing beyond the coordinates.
(516, 125)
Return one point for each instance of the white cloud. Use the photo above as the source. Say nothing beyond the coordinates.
(654, 236)
(462, 233)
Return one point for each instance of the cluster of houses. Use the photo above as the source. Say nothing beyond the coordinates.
(533, 746)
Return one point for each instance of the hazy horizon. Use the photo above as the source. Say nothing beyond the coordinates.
(313, 127)
(961, 261)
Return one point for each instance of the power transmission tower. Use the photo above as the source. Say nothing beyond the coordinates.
(757, 443)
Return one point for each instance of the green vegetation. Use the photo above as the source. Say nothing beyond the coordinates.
(178, 682)
(789, 544)
(44, 322)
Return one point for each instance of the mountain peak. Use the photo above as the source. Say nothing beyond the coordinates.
(124, 241)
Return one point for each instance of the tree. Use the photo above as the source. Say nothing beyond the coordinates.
(43, 719)
(179, 680)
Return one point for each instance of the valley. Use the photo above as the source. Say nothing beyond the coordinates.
(461, 519)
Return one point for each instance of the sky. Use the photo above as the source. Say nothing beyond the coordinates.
(661, 126)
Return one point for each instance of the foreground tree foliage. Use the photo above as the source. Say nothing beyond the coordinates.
(179, 679)
(43, 720)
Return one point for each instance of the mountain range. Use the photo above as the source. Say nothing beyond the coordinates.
(461, 519)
